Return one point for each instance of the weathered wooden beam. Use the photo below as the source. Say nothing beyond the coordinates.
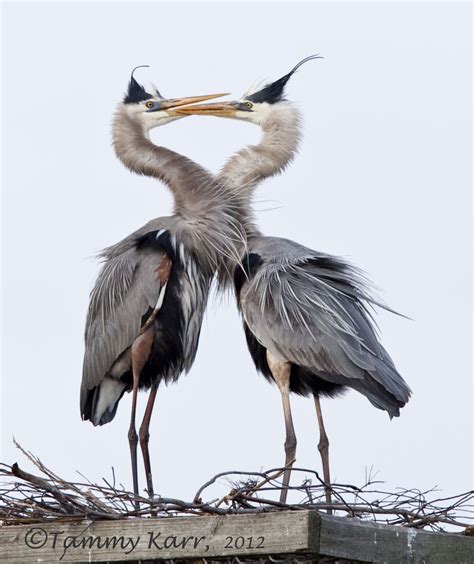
(370, 542)
(148, 539)
(297, 533)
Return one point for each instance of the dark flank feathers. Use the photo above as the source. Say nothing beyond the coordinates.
(273, 93)
(258, 353)
(166, 360)
(159, 242)
(249, 265)
(167, 357)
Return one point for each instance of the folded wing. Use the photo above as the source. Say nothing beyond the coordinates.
(315, 314)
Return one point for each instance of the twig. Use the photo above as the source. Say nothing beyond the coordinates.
(27, 498)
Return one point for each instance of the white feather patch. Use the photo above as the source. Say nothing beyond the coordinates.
(161, 296)
(110, 391)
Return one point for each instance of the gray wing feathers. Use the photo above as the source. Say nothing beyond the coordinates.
(194, 294)
(317, 317)
(126, 288)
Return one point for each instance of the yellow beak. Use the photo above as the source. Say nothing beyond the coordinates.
(224, 109)
(178, 102)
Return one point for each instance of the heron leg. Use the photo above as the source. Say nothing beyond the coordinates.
(145, 437)
(323, 447)
(140, 352)
(281, 374)
(132, 434)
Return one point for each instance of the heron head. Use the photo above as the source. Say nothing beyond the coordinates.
(254, 105)
(150, 108)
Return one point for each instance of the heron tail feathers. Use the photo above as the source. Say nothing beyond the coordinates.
(99, 404)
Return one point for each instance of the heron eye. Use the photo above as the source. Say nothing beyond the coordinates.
(149, 104)
(249, 105)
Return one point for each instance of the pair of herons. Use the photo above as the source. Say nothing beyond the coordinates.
(306, 315)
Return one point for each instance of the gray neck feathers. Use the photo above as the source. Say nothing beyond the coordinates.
(205, 220)
(241, 174)
(188, 181)
(281, 136)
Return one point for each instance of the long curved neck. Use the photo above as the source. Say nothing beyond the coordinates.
(206, 221)
(279, 143)
(243, 171)
(188, 181)
(281, 134)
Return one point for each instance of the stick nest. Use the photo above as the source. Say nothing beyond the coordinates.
(26, 498)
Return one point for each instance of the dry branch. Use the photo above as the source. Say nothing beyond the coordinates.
(26, 498)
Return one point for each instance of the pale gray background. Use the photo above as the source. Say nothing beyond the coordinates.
(383, 177)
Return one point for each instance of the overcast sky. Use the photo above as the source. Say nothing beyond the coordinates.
(382, 178)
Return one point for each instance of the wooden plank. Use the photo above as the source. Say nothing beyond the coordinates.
(172, 537)
(302, 532)
(369, 542)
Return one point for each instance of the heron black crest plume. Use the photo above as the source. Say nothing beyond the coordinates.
(135, 92)
(273, 93)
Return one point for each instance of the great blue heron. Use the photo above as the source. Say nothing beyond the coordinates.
(306, 314)
(147, 305)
